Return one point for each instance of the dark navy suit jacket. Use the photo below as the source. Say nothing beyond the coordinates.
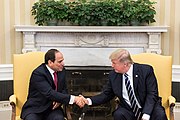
(145, 87)
(42, 91)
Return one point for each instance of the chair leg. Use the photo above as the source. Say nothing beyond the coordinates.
(172, 112)
(68, 113)
(13, 114)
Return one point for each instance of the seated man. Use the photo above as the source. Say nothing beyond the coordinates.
(136, 87)
(47, 90)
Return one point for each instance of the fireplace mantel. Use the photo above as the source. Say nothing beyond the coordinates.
(93, 29)
(92, 39)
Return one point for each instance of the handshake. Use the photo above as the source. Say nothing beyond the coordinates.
(80, 101)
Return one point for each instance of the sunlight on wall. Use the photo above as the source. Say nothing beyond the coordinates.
(18, 12)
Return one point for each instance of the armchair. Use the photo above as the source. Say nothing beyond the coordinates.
(23, 65)
(163, 70)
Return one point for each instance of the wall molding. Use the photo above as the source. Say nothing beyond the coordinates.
(6, 72)
(176, 73)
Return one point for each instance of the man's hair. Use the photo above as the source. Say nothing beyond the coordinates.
(50, 55)
(122, 55)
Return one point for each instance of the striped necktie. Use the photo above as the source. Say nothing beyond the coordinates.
(132, 100)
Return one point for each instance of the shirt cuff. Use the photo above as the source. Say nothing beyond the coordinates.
(72, 97)
(89, 101)
(146, 117)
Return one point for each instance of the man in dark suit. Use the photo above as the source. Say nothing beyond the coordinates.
(142, 87)
(48, 91)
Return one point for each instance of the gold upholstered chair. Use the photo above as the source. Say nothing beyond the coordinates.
(163, 70)
(23, 66)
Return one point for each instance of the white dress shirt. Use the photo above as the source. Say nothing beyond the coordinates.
(51, 72)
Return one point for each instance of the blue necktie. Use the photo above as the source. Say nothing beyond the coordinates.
(132, 100)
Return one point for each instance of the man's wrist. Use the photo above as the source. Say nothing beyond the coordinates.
(72, 99)
(89, 101)
(145, 116)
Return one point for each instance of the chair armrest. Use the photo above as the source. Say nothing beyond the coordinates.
(12, 100)
(172, 101)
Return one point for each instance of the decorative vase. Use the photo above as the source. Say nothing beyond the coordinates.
(52, 22)
(135, 23)
(63, 23)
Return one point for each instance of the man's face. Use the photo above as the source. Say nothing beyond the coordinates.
(58, 64)
(118, 66)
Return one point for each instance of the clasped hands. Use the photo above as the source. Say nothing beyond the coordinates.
(80, 101)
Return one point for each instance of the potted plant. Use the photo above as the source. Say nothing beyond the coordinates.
(48, 12)
(147, 11)
(112, 12)
(78, 13)
(139, 12)
(95, 12)
(62, 15)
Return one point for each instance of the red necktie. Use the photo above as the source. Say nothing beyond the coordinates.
(55, 79)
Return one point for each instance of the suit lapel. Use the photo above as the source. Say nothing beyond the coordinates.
(136, 80)
(135, 76)
(49, 76)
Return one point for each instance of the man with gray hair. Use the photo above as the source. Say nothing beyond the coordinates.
(136, 87)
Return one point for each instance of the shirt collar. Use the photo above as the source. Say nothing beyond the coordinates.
(50, 70)
(130, 71)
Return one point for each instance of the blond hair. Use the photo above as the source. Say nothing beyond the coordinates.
(122, 55)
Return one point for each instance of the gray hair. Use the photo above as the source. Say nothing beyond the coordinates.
(122, 55)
